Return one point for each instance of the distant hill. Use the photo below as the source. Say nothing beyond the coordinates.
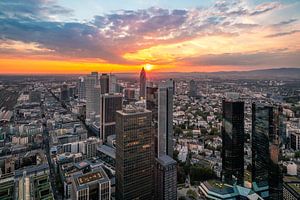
(275, 73)
(278, 73)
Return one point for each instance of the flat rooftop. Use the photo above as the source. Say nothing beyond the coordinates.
(166, 160)
(89, 178)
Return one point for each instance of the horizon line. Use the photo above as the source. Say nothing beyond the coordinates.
(152, 72)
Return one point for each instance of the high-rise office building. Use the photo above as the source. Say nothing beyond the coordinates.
(143, 82)
(64, 93)
(160, 101)
(152, 105)
(92, 95)
(193, 89)
(104, 83)
(152, 101)
(165, 118)
(92, 185)
(112, 83)
(134, 154)
(109, 104)
(266, 141)
(233, 142)
(72, 91)
(81, 88)
(165, 178)
(129, 94)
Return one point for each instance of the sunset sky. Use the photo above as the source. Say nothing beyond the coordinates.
(76, 36)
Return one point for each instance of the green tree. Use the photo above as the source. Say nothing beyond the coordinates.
(214, 131)
(178, 131)
(189, 134)
(199, 173)
(297, 154)
(180, 175)
(175, 155)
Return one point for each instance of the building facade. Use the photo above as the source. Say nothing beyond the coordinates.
(143, 82)
(165, 178)
(134, 155)
(81, 89)
(104, 83)
(92, 91)
(109, 104)
(90, 186)
(165, 118)
(193, 89)
(266, 141)
(233, 142)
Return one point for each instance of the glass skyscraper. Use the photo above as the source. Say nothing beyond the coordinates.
(109, 104)
(266, 141)
(233, 142)
(165, 118)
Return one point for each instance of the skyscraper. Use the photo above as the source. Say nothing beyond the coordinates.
(152, 101)
(193, 89)
(165, 118)
(81, 89)
(92, 95)
(152, 105)
(109, 104)
(129, 94)
(143, 82)
(165, 178)
(134, 155)
(233, 142)
(104, 83)
(165, 166)
(112, 83)
(266, 141)
(64, 93)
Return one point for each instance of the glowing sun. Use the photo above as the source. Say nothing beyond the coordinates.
(148, 67)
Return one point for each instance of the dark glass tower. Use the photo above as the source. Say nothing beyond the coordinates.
(143, 80)
(165, 118)
(134, 155)
(233, 142)
(152, 105)
(64, 93)
(266, 141)
(104, 83)
(109, 104)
